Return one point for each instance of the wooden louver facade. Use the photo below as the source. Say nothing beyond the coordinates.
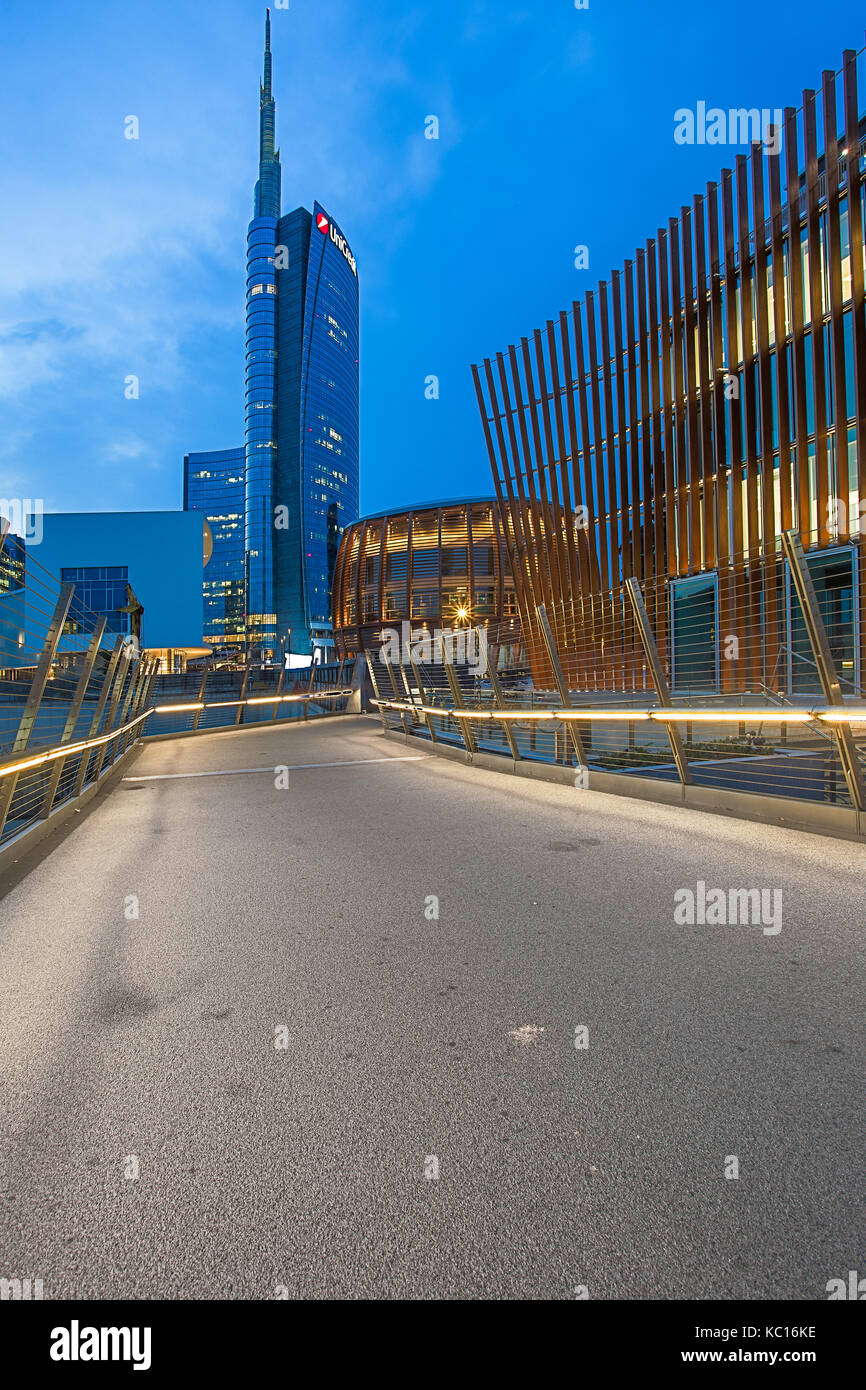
(684, 414)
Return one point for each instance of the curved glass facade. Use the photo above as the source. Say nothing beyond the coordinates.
(317, 420)
(260, 435)
(438, 565)
(214, 485)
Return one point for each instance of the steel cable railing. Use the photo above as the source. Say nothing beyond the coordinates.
(743, 681)
(75, 697)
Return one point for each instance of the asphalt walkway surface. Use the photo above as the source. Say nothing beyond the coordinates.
(319, 1039)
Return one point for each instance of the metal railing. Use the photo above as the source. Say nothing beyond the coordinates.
(75, 700)
(804, 746)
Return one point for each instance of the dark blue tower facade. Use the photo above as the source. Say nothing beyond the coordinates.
(301, 442)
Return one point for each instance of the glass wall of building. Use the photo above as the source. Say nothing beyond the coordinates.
(214, 486)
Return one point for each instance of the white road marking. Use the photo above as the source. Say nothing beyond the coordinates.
(293, 767)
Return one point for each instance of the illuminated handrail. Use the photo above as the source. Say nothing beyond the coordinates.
(68, 750)
(313, 698)
(742, 714)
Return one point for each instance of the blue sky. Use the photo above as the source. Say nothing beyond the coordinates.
(121, 257)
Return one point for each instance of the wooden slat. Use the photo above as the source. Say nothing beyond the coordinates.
(798, 350)
(705, 388)
(819, 382)
(839, 476)
(768, 619)
(693, 443)
(858, 291)
(786, 484)
(666, 401)
(677, 398)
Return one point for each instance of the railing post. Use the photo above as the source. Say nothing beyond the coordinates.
(131, 692)
(141, 695)
(243, 694)
(388, 667)
(201, 691)
(820, 644)
(151, 679)
(34, 695)
(500, 704)
(662, 689)
(561, 684)
(464, 725)
(111, 713)
(105, 689)
(309, 690)
(431, 729)
(279, 693)
(375, 684)
(84, 675)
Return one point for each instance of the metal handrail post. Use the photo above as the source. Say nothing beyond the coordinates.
(74, 711)
(500, 704)
(104, 690)
(420, 684)
(559, 677)
(201, 691)
(123, 717)
(34, 695)
(662, 689)
(375, 684)
(140, 700)
(243, 694)
(111, 720)
(465, 728)
(817, 634)
(151, 681)
(309, 690)
(278, 694)
(388, 667)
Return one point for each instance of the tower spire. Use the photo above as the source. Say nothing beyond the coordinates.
(268, 187)
(266, 84)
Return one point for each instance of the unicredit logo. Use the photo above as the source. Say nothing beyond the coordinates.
(326, 227)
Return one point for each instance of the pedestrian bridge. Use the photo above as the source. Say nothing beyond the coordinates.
(262, 981)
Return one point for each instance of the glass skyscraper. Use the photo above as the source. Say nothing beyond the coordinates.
(301, 450)
(214, 484)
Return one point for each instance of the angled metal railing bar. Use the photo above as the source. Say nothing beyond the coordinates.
(130, 705)
(128, 700)
(375, 684)
(431, 728)
(151, 681)
(200, 701)
(662, 688)
(500, 704)
(74, 711)
(817, 634)
(388, 667)
(111, 711)
(243, 694)
(309, 691)
(278, 694)
(560, 680)
(105, 688)
(463, 724)
(139, 702)
(34, 696)
(338, 684)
